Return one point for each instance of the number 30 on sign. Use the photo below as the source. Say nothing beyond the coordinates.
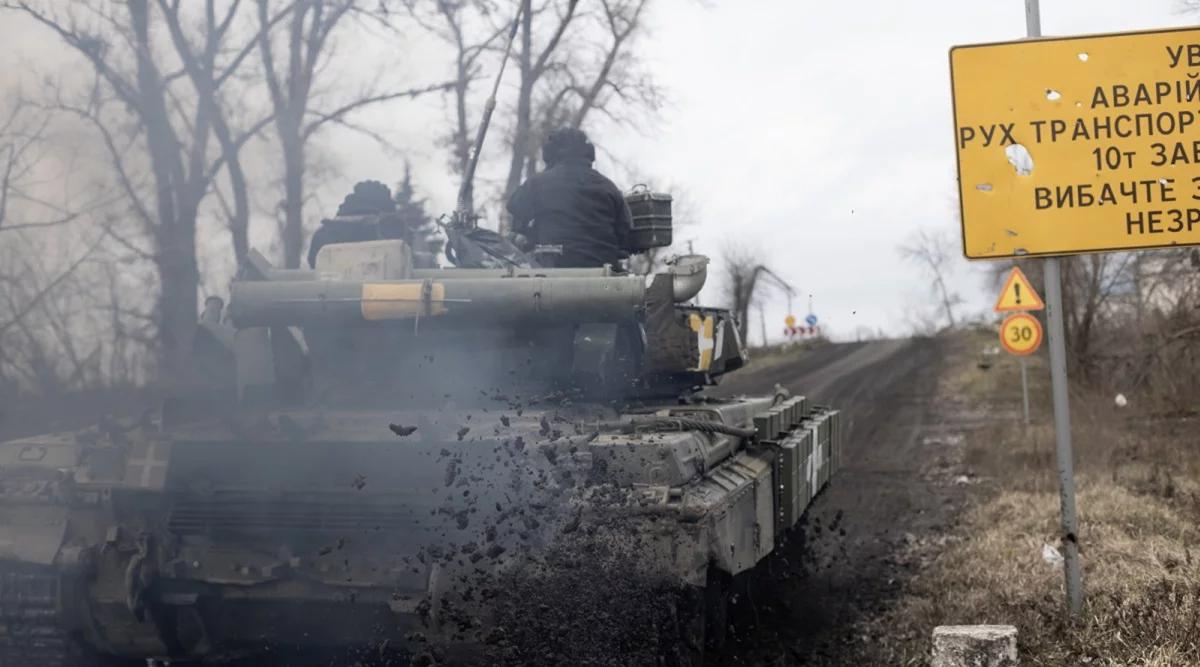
(1021, 334)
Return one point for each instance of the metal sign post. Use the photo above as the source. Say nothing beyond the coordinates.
(1058, 382)
(1020, 335)
(1025, 391)
(1031, 184)
(1062, 431)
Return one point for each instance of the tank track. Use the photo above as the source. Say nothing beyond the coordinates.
(31, 628)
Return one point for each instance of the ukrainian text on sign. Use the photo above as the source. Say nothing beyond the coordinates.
(1078, 145)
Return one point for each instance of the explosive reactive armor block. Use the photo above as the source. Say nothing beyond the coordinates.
(808, 452)
(828, 439)
(794, 487)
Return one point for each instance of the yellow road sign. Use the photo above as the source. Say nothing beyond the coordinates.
(1018, 294)
(1021, 334)
(1078, 144)
(790, 321)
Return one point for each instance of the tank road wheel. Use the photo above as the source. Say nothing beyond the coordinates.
(31, 624)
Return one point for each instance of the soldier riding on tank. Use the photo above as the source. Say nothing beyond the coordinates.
(573, 206)
(369, 213)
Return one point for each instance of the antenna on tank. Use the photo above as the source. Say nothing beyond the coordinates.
(464, 216)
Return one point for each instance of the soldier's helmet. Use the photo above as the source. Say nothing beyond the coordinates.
(369, 197)
(566, 143)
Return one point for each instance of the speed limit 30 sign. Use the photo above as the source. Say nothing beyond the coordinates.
(1021, 334)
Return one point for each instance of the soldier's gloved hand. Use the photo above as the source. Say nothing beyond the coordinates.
(520, 240)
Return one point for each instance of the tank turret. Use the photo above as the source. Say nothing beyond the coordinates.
(365, 316)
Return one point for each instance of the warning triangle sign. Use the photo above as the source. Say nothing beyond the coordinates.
(1018, 294)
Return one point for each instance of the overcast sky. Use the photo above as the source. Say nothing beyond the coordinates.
(821, 133)
(817, 132)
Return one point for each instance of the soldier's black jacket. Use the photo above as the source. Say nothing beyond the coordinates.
(576, 206)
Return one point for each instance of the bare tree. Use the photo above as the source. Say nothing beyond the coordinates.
(934, 253)
(36, 307)
(161, 160)
(532, 66)
(200, 61)
(23, 148)
(51, 255)
(72, 317)
(745, 278)
(468, 27)
(1131, 322)
(573, 64)
(291, 66)
(1088, 287)
(573, 60)
(615, 75)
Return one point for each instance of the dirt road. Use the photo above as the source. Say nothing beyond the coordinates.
(849, 559)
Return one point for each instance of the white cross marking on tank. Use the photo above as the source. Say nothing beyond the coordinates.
(148, 463)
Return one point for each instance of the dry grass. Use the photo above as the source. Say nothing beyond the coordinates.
(1139, 502)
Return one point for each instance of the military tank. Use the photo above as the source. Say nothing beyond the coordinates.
(395, 444)
(383, 459)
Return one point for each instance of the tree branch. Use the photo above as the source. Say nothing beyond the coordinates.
(539, 65)
(91, 48)
(38, 225)
(338, 113)
(118, 162)
(37, 298)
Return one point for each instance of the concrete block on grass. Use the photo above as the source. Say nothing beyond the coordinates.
(975, 646)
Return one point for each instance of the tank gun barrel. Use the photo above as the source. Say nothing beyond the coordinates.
(455, 272)
(480, 300)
